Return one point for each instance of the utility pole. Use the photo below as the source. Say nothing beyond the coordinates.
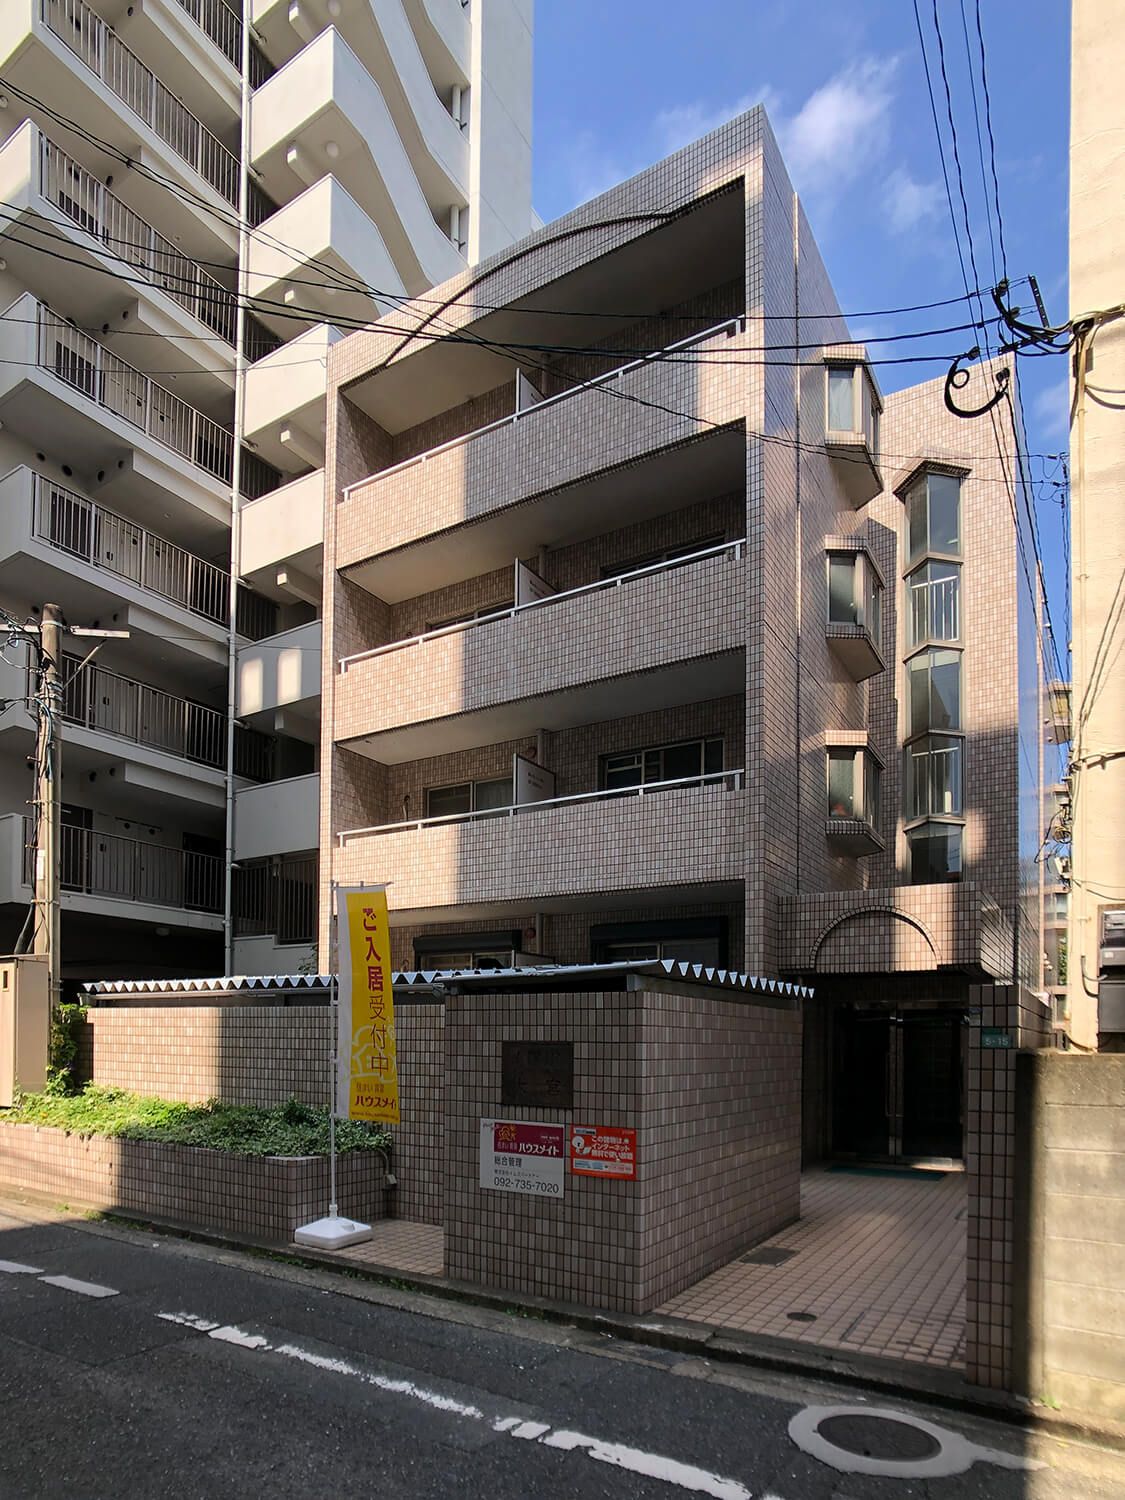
(49, 700)
(48, 823)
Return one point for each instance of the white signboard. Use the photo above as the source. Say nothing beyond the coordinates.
(531, 782)
(529, 585)
(519, 1156)
(526, 394)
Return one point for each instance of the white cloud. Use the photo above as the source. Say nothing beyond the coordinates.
(1050, 411)
(685, 123)
(590, 168)
(908, 202)
(840, 128)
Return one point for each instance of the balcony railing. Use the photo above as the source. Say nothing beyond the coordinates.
(730, 327)
(99, 536)
(89, 367)
(935, 610)
(276, 898)
(123, 73)
(722, 549)
(223, 25)
(85, 199)
(103, 700)
(730, 779)
(103, 864)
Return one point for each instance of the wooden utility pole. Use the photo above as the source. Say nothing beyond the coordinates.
(48, 792)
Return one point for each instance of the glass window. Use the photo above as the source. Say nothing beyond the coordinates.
(843, 601)
(869, 416)
(841, 398)
(666, 554)
(934, 679)
(873, 600)
(468, 796)
(935, 853)
(690, 950)
(683, 762)
(933, 515)
(935, 603)
(842, 799)
(934, 776)
(871, 778)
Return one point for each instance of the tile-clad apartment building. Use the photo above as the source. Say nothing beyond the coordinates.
(386, 146)
(714, 653)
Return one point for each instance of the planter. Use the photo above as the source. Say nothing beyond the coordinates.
(262, 1197)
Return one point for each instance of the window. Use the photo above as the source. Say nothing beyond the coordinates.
(934, 684)
(695, 940)
(466, 950)
(683, 762)
(470, 614)
(935, 853)
(666, 554)
(855, 595)
(933, 776)
(852, 403)
(853, 785)
(933, 516)
(468, 796)
(934, 594)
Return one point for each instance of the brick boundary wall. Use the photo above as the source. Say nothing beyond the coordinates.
(262, 1197)
(264, 1054)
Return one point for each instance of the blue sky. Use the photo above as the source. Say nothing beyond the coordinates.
(621, 83)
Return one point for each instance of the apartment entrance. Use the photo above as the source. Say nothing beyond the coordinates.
(897, 1084)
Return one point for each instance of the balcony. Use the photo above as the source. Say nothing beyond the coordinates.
(323, 227)
(664, 635)
(61, 49)
(279, 683)
(282, 540)
(64, 390)
(48, 193)
(278, 817)
(444, 36)
(654, 842)
(564, 450)
(101, 872)
(285, 408)
(274, 906)
(54, 540)
(323, 112)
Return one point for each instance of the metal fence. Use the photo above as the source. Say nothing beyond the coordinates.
(103, 864)
(78, 526)
(935, 610)
(255, 615)
(86, 200)
(276, 898)
(223, 25)
(104, 700)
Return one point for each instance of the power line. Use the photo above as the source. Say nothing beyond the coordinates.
(991, 141)
(980, 142)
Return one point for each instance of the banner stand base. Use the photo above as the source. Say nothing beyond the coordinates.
(332, 1233)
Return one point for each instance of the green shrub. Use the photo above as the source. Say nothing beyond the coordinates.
(291, 1129)
(66, 1028)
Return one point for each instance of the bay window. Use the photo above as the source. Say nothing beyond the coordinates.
(934, 691)
(853, 784)
(933, 515)
(934, 603)
(935, 853)
(934, 776)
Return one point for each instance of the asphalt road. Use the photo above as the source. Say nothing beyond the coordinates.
(136, 1366)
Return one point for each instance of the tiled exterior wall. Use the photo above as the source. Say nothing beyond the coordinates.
(419, 1138)
(262, 1197)
(712, 1087)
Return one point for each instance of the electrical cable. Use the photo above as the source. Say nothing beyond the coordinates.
(991, 142)
(980, 143)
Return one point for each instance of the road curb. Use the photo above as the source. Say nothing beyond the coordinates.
(887, 1377)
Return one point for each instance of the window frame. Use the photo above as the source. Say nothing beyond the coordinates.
(641, 754)
(914, 731)
(868, 589)
(866, 795)
(921, 750)
(920, 486)
(931, 828)
(471, 785)
(914, 640)
(662, 555)
(866, 417)
(657, 931)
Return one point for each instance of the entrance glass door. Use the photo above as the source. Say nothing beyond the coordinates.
(896, 1084)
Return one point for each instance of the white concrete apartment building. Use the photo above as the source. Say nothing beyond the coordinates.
(385, 146)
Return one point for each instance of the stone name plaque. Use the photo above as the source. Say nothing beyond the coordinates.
(538, 1075)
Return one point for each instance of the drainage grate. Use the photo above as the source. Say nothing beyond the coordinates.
(878, 1437)
(768, 1255)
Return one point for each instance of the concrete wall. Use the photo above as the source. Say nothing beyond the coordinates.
(1070, 1196)
(712, 1087)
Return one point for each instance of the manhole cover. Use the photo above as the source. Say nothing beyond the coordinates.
(801, 1317)
(768, 1255)
(878, 1437)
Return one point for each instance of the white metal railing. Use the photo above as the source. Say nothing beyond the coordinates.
(104, 864)
(101, 375)
(99, 699)
(217, 20)
(730, 327)
(598, 586)
(85, 199)
(731, 779)
(78, 526)
(122, 71)
(935, 610)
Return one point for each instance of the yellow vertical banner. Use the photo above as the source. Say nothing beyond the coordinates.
(366, 1061)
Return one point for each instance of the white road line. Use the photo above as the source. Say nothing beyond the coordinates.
(83, 1288)
(636, 1460)
(13, 1268)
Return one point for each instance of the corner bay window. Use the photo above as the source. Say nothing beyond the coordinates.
(468, 796)
(855, 595)
(933, 776)
(686, 761)
(853, 785)
(935, 853)
(934, 679)
(934, 603)
(933, 516)
(852, 405)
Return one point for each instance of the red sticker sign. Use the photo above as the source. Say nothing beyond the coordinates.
(602, 1151)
